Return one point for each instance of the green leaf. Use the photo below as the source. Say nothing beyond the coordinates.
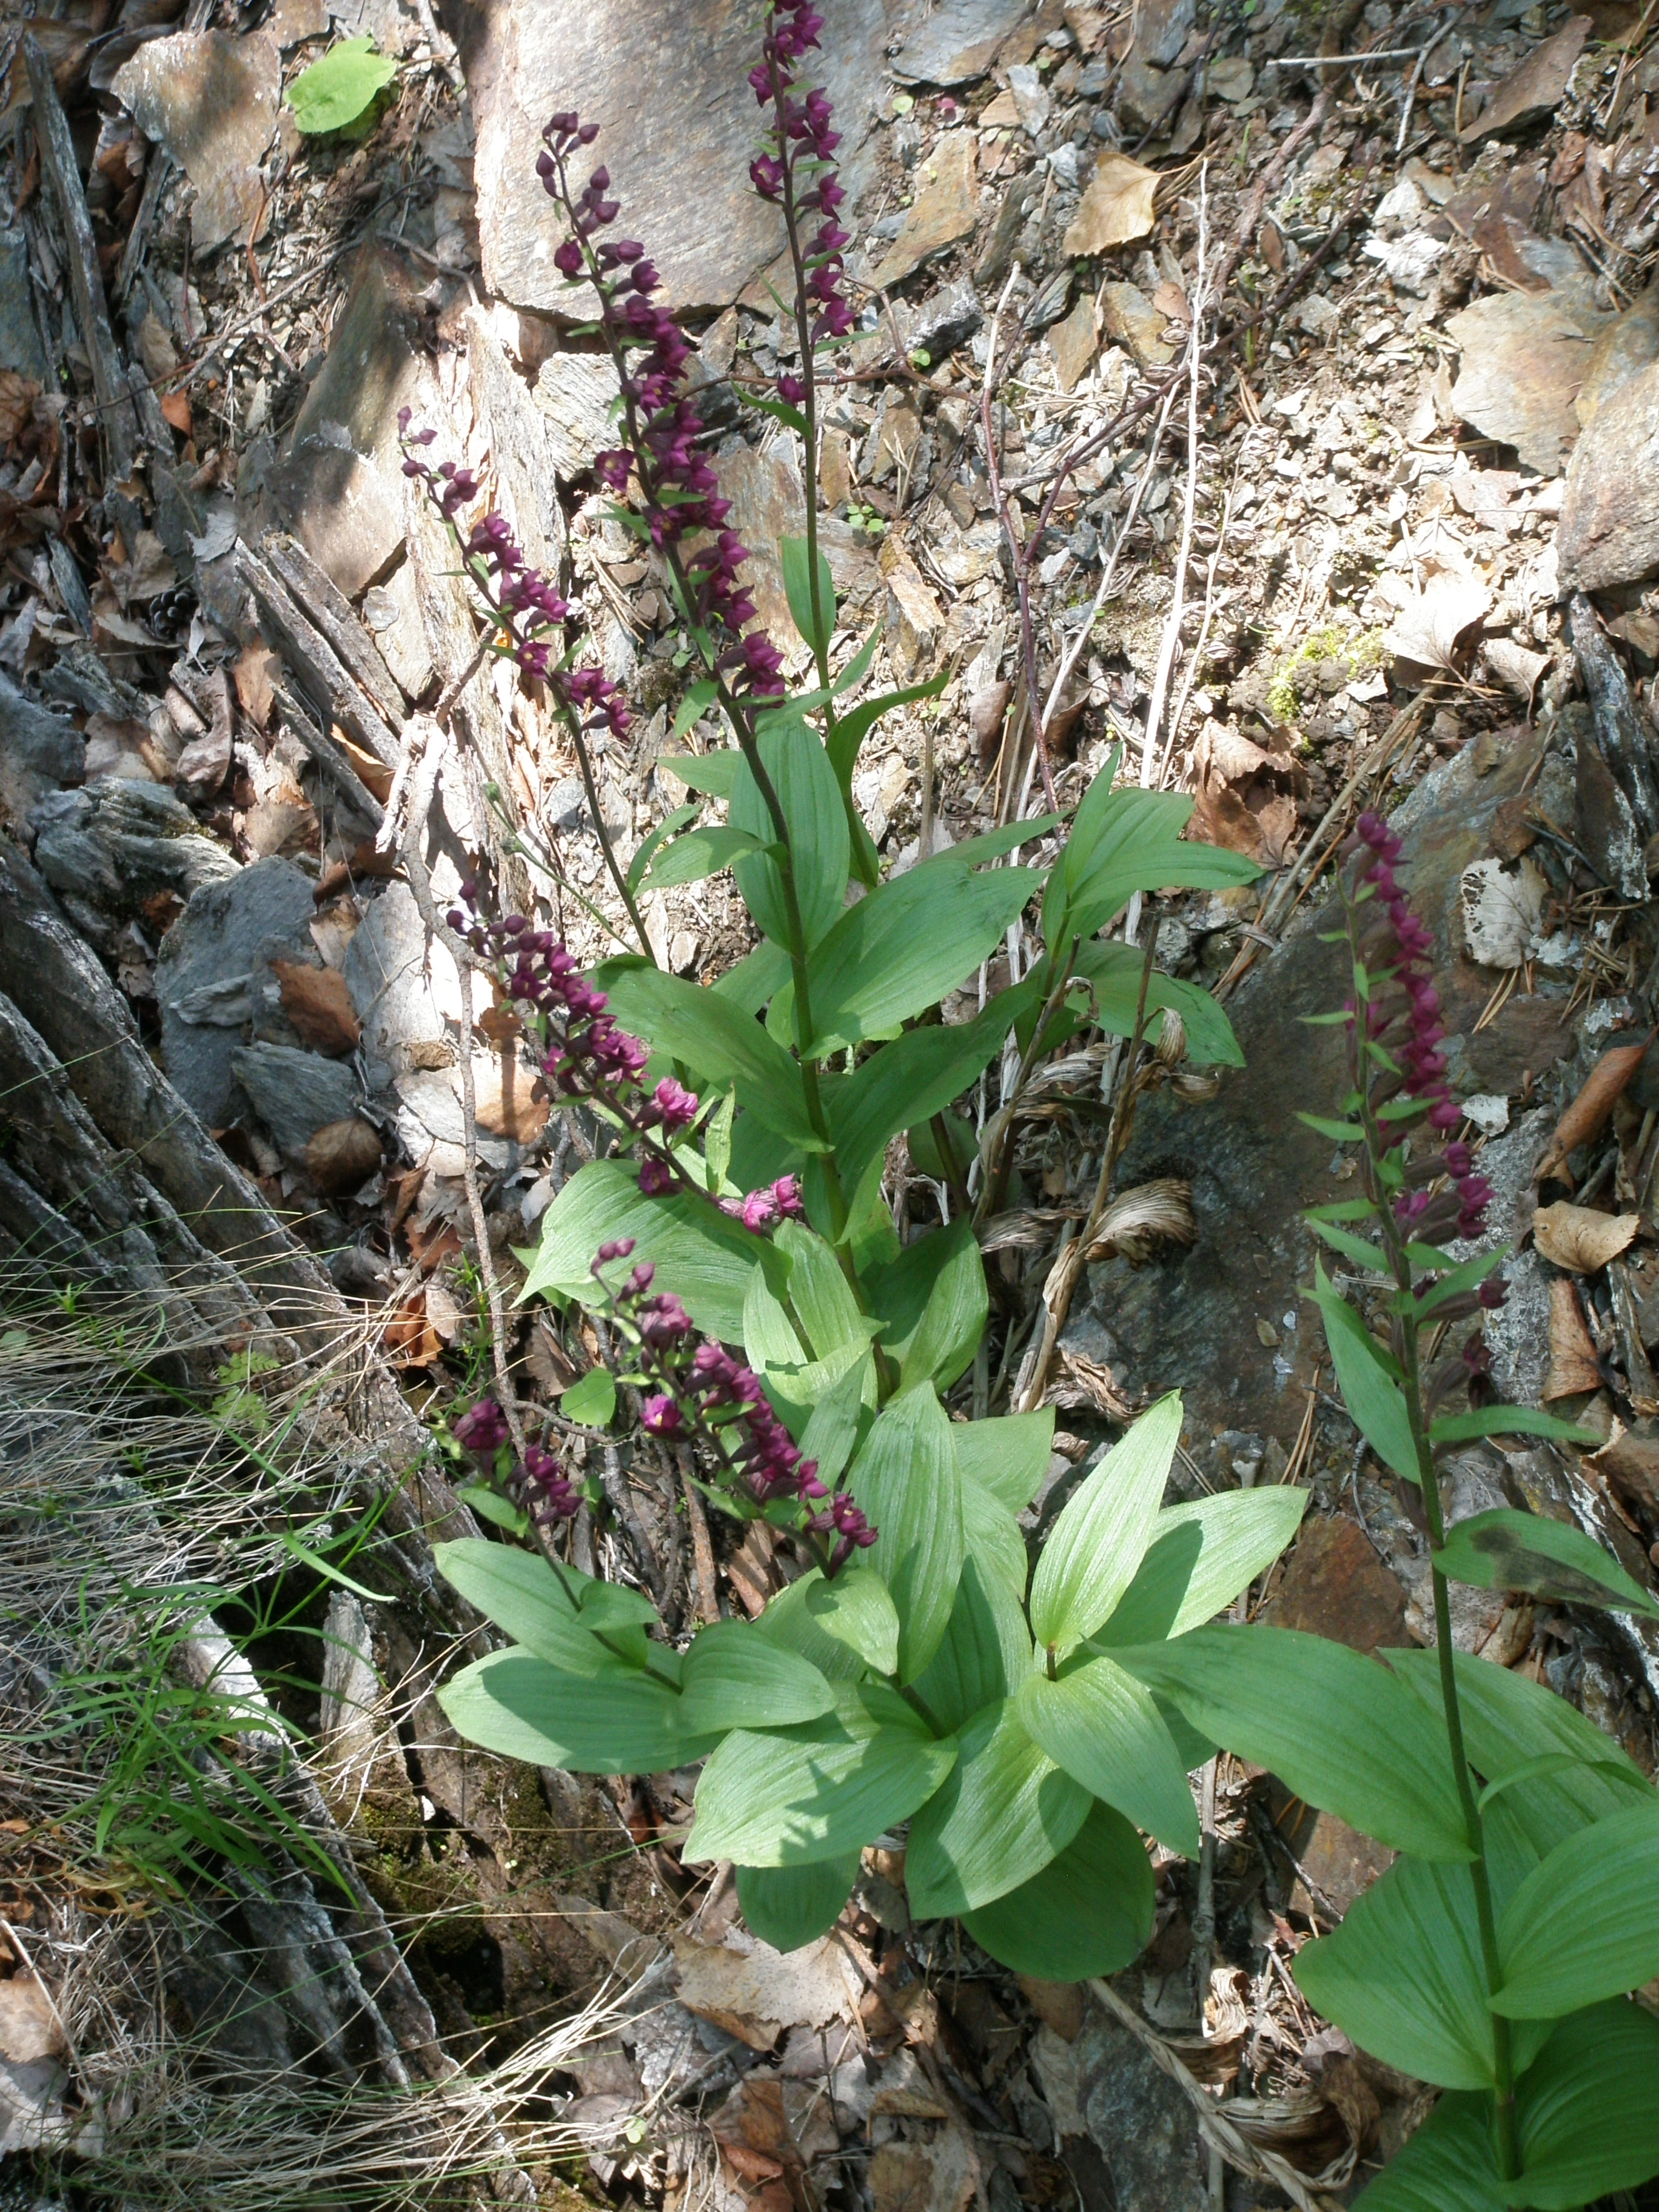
(516, 1703)
(857, 1609)
(1508, 1421)
(732, 1677)
(1010, 1455)
(793, 758)
(593, 1402)
(717, 1142)
(520, 1593)
(1460, 1279)
(1585, 1924)
(1507, 1550)
(340, 89)
(917, 1076)
(953, 1319)
(905, 1478)
(819, 1791)
(986, 1651)
(991, 1535)
(852, 728)
(1364, 1254)
(1342, 1730)
(832, 1430)
(1100, 1538)
(797, 590)
(906, 944)
(1000, 1815)
(699, 698)
(757, 977)
(1446, 2166)
(819, 1293)
(1103, 1727)
(1373, 1398)
(702, 1256)
(1114, 969)
(490, 1506)
(699, 853)
(1402, 1976)
(1139, 848)
(788, 1621)
(1200, 1557)
(712, 773)
(717, 1039)
(649, 844)
(1589, 2110)
(780, 409)
(789, 1906)
(768, 1340)
(1088, 1912)
(1341, 1133)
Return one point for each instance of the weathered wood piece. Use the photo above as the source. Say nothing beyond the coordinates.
(1620, 725)
(317, 595)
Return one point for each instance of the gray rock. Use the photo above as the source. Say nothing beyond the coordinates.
(295, 1093)
(945, 319)
(956, 41)
(565, 805)
(19, 333)
(1137, 2118)
(79, 678)
(430, 1115)
(39, 751)
(1609, 529)
(402, 992)
(210, 98)
(574, 393)
(205, 976)
(109, 847)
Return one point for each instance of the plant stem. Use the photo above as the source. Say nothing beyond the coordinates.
(586, 765)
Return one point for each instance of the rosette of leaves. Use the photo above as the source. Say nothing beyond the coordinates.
(942, 1682)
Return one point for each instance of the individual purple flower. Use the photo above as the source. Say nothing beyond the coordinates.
(482, 1429)
(656, 1176)
(544, 1487)
(673, 1105)
(660, 1415)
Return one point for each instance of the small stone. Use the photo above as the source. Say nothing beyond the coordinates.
(210, 98)
(111, 847)
(294, 1093)
(1030, 97)
(342, 1155)
(1139, 2122)
(1524, 355)
(942, 212)
(1266, 1334)
(20, 334)
(1161, 29)
(1621, 353)
(404, 990)
(1073, 341)
(956, 41)
(1130, 319)
(914, 618)
(205, 976)
(1148, 96)
(1335, 1585)
(40, 752)
(945, 319)
(1230, 78)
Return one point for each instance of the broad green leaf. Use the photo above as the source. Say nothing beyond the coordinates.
(1373, 1398)
(1000, 1815)
(1465, 1277)
(905, 1478)
(986, 1652)
(833, 1428)
(1363, 1252)
(788, 1621)
(757, 978)
(1506, 1550)
(699, 853)
(490, 1506)
(1103, 1727)
(789, 1906)
(538, 1608)
(716, 1038)
(1114, 969)
(1585, 1924)
(1447, 2166)
(821, 1294)
(857, 1609)
(730, 1678)
(717, 1142)
(1200, 1557)
(700, 1254)
(768, 1338)
(851, 728)
(1402, 1976)
(1139, 848)
(1343, 1731)
(793, 758)
(797, 590)
(593, 1402)
(898, 1293)
(1010, 1455)
(905, 944)
(1509, 1421)
(513, 1703)
(712, 773)
(1100, 1537)
(991, 1535)
(917, 1076)
(340, 89)
(953, 1319)
(819, 1791)
(654, 840)
(1088, 1912)
(699, 698)
(1589, 2110)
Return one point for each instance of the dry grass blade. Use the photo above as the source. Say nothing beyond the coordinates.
(1139, 1223)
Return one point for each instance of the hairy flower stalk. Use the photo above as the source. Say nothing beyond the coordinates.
(1399, 1073)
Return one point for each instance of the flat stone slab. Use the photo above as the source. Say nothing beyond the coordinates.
(210, 98)
(957, 40)
(204, 976)
(1609, 527)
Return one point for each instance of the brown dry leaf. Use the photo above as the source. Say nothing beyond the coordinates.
(1573, 1366)
(317, 1002)
(342, 1155)
(1140, 1222)
(757, 1994)
(1631, 1464)
(1536, 87)
(1170, 299)
(501, 1101)
(255, 673)
(175, 406)
(1084, 1385)
(1590, 1108)
(30, 2026)
(1116, 209)
(17, 398)
(940, 2175)
(1502, 908)
(1425, 632)
(500, 1025)
(373, 772)
(410, 1339)
(1580, 1239)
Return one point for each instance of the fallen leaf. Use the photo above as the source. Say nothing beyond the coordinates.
(317, 1002)
(254, 672)
(1578, 1238)
(342, 1155)
(373, 772)
(1116, 209)
(30, 2026)
(1170, 299)
(1140, 1222)
(1631, 1464)
(1573, 1365)
(940, 2175)
(175, 407)
(410, 1339)
(1590, 1108)
(1516, 666)
(757, 1994)
(1536, 87)
(17, 398)
(1426, 630)
(1501, 910)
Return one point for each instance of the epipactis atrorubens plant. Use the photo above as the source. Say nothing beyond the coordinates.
(1494, 1957)
(764, 1324)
